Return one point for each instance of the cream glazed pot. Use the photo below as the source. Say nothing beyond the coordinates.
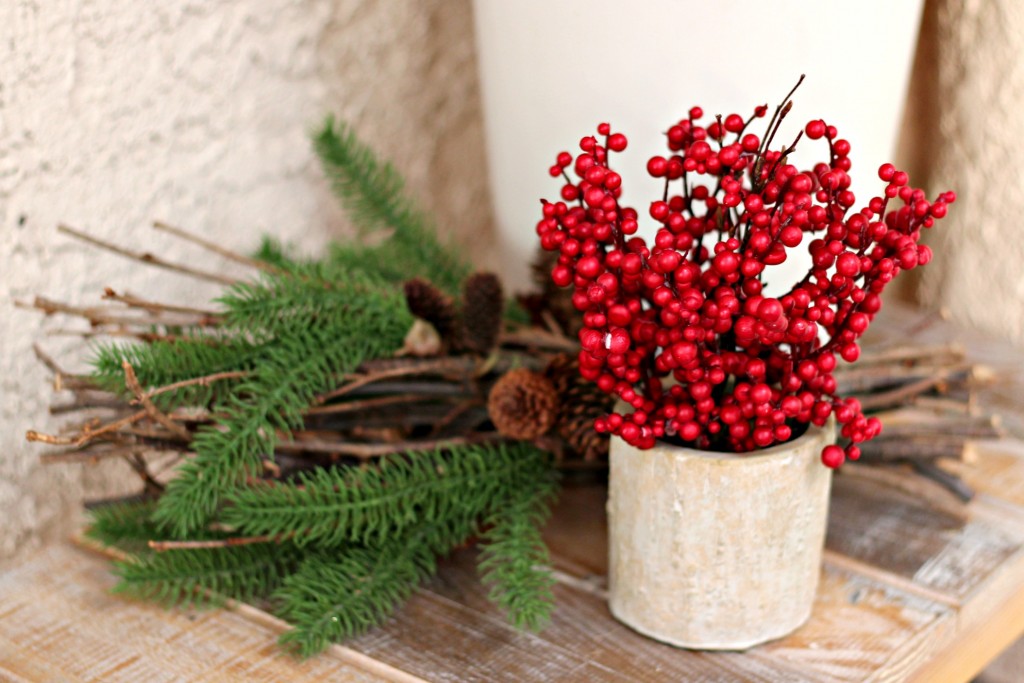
(716, 551)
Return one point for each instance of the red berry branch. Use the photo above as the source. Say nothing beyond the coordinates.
(680, 330)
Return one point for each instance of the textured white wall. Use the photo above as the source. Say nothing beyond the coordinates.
(113, 114)
(978, 273)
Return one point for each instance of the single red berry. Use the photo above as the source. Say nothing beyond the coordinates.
(832, 456)
(815, 129)
(617, 142)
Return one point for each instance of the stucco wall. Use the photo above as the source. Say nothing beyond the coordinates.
(975, 148)
(113, 114)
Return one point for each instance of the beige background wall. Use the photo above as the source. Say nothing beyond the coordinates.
(114, 113)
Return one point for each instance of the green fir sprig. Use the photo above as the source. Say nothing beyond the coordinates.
(203, 577)
(126, 526)
(336, 548)
(515, 561)
(304, 360)
(328, 507)
(374, 194)
(338, 595)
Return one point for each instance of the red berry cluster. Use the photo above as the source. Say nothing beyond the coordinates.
(680, 330)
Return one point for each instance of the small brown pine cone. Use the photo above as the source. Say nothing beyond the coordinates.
(482, 307)
(429, 303)
(580, 402)
(523, 404)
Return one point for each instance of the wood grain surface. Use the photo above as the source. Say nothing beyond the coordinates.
(908, 592)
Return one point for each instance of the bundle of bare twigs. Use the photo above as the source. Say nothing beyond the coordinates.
(924, 396)
(429, 395)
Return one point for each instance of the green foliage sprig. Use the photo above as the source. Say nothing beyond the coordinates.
(338, 548)
(373, 192)
(305, 359)
(515, 560)
(207, 576)
(127, 526)
(329, 507)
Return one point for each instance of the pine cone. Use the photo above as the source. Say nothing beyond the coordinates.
(523, 404)
(580, 402)
(429, 303)
(482, 308)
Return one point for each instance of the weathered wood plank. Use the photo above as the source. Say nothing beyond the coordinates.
(60, 623)
(995, 468)
(887, 529)
(859, 629)
(442, 639)
(583, 625)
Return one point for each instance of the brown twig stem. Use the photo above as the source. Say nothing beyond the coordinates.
(454, 414)
(540, 339)
(373, 450)
(217, 249)
(132, 382)
(164, 546)
(924, 491)
(910, 353)
(204, 381)
(87, 434)
(158, 307)
(950, 482)
(367, 404)
(97, 316)
(146, 257)
(900, 394)
(115, 332)
(101, 401)
(357, 381)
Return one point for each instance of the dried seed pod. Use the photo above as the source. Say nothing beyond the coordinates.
(429, 303)
(523, 404)
(482, 307)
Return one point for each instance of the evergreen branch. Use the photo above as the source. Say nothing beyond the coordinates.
(310, 295)
(127, 526)
(515, 561)
(330, 507)
(336, 595)
(207, 576)
(276, 254)
(163, 363)
(374, 195)
(299, 364)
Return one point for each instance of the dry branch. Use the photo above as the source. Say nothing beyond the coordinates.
(146, 257)
(373, 450)
(158, 307)
(217, 249)
(132, 382)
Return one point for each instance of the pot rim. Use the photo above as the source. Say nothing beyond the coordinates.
(825, 433)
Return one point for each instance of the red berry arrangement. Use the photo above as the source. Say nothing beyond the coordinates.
(680, 330)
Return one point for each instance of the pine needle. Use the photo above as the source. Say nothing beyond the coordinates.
(330, 507)
(515, 561)
(310, 348)
(206, 577)
(126, 526)
(338, 595)
(374, 195)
